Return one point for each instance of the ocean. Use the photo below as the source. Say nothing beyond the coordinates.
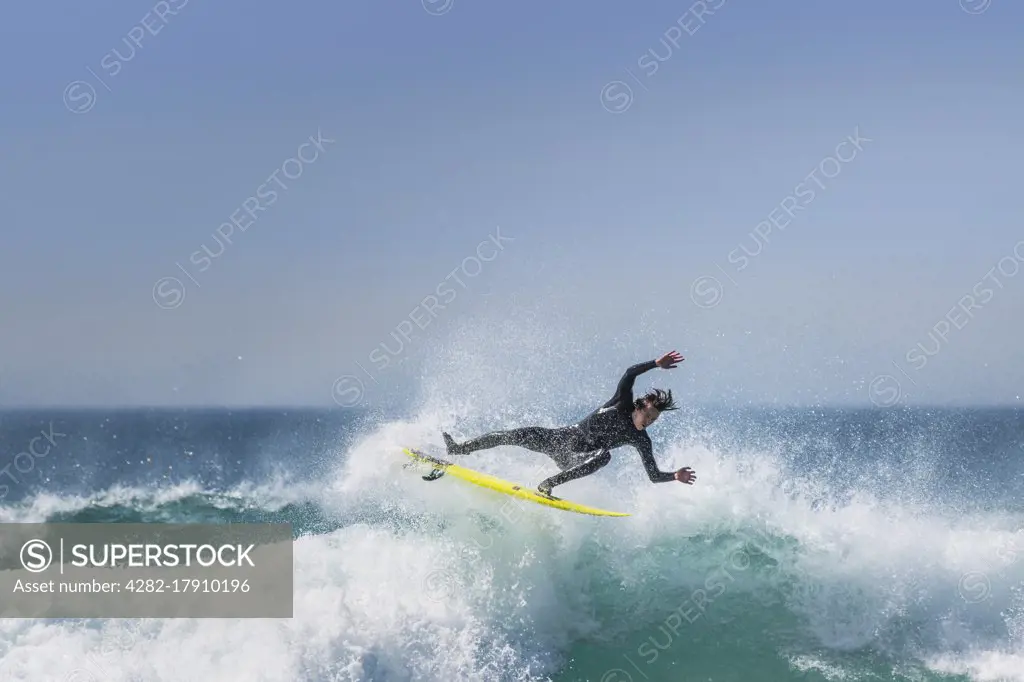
(817, 544)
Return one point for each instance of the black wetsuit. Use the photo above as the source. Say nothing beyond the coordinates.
(584, 447)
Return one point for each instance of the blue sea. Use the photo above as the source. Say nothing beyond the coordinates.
(817, 544)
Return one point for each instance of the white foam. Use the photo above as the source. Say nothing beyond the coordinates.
(269, 495)
(808, 663)
(369, 604)
(982, 666)
(445, 581)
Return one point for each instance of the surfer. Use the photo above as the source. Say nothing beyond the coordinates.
(583, 448)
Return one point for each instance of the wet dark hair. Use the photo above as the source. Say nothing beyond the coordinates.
(658, 398)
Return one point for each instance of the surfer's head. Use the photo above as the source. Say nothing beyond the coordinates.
(648, 408)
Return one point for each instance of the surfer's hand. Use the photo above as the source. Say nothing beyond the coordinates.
(669, 360)
(686, 475)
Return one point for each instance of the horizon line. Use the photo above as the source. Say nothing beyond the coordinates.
(339, 408)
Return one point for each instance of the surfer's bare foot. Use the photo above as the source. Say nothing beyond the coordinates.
(544, 489)
(450, 444)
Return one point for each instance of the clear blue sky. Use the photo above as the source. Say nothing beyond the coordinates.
(478, 115)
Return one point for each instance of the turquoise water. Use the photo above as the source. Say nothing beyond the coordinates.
(837, 545)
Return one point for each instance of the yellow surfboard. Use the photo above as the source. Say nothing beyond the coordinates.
(441, 467)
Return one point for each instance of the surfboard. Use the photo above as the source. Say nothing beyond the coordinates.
(441, 467)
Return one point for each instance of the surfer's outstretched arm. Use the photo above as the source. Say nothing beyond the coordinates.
(646, 450)
(623, 397)
(624, 391)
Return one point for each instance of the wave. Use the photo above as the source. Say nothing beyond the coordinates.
(398, 579)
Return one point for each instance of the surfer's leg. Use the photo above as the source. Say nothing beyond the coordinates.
(536, 438)
(585, 468)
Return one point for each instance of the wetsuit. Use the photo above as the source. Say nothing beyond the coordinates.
(583, 448)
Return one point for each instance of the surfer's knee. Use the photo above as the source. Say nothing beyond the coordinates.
(594, 463)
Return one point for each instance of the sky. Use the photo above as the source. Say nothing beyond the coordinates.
(816, 203)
